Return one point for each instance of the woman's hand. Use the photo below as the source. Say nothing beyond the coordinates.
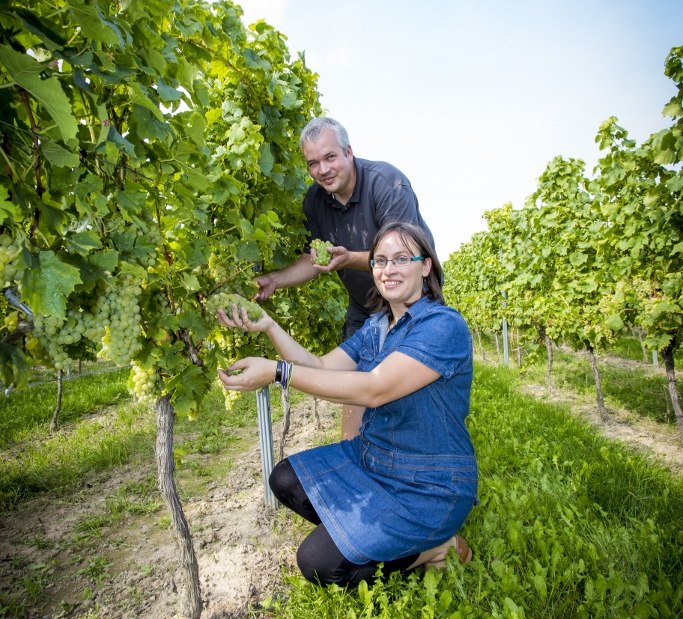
(248, 374)
(240, 320)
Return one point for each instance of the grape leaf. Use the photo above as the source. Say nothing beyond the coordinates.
(46, 288)
(26, 71)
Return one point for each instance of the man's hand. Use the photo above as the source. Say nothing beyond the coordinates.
(340, 259)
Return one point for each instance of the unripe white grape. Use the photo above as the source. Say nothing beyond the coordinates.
(322, 256)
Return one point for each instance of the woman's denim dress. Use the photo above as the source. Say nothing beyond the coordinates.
(409, 480)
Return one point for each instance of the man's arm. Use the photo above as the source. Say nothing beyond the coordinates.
(295, 274)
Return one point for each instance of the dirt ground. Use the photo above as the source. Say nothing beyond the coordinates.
(242, 547)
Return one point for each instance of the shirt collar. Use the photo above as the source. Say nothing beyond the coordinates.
(419, 307)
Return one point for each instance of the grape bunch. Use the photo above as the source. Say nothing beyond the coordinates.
(112, 325)
(217, 268)
(225, 301)
(47, 332)
(120, 341)
(142, 382)
(9, 271)
(230, 398)
(322, 256)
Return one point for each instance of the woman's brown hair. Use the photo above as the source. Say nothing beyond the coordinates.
(408, 233)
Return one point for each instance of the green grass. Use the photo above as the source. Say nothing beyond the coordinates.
(628, 347)
(29, 410)
(639, 388)
(83, 450)
(93, 437)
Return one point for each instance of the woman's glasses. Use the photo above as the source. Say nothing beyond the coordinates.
(399, 262)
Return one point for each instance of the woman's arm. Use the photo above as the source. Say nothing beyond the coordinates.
(397, 376)
(287, 347)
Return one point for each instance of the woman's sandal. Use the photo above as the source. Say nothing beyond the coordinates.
(461, 548)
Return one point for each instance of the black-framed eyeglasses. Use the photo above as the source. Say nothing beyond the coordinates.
(400, 261)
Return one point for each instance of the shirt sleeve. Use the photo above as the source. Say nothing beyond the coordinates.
(441, 341)
(397, 203)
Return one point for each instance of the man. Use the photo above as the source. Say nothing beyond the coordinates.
(349, 202)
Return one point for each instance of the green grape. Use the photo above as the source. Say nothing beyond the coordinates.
(9, 270)
(322, 256)
(142, 383)
(225, 301)
(230, 398)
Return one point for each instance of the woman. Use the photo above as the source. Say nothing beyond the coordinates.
(397, 493)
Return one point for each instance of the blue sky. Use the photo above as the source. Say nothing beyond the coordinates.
(471, 100)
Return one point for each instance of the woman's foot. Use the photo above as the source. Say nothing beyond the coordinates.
(462, 549)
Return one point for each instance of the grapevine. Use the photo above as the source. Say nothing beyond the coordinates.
(148, 164)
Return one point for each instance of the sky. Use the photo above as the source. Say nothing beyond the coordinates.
(472, 99)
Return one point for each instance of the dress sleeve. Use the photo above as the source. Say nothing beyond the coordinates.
(352, 346)
(441, 341)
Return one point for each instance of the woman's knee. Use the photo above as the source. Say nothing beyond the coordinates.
(282, 478)
(318, 569)
(321, 562)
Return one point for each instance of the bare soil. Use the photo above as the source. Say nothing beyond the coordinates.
(242, 547)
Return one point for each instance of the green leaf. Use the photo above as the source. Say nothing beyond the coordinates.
(41, 28)
(14, 370)
(83, 242)
(25, 72)
(187, 388)
(166, 92)
(9, 211)
(131, 199)
(94, 25)
(58, 155)
(191, 283)
(47, 288)
(139, 96)
(266, 159)
(116, 138)
(104, 261)
(675, 183)
(672, 108)
(615, 323)
(196, 130)
(248, 251)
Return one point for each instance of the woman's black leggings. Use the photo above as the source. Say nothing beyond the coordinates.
(318, 557)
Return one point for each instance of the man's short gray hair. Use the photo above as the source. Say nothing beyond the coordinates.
(311, 132)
